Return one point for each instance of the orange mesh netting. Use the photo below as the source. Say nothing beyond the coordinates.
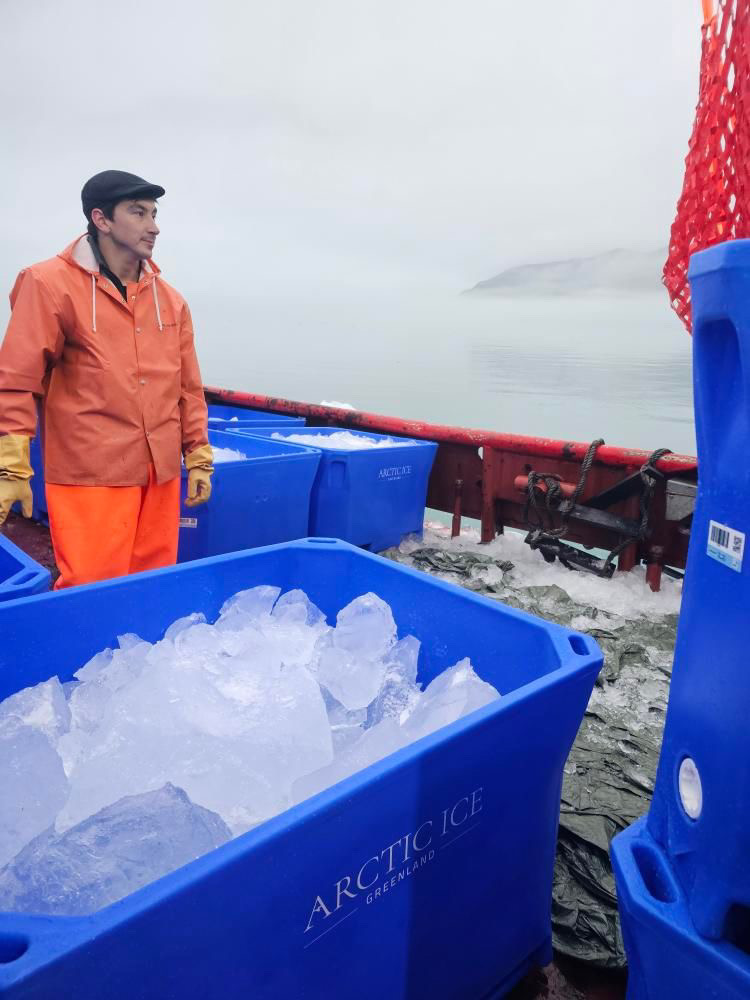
(713, 206)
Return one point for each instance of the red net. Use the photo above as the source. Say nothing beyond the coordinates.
(713, 206)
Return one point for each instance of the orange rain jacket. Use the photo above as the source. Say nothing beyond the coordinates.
(120, 380)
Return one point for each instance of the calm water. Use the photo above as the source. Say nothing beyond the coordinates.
(617, 368)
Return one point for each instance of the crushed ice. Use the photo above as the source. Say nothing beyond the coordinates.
(158, 752)
(227, 455)
(342, 441)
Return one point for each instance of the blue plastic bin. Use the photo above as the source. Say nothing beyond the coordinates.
(20, 575)
(474, 806)
(371, 498)
(222, 417)
(37, 480)
(260, 501)
(696, 839)
(667, 958)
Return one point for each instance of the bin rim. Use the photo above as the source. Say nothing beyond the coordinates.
(270, 432)
(30, 575)
(287, 450)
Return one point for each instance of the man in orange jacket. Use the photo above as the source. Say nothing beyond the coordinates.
(106, 344)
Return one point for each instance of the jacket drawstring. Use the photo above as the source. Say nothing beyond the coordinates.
(156, 303)
(93, 303)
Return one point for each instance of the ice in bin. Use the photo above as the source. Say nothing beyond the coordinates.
(208, 732)
(452, 838)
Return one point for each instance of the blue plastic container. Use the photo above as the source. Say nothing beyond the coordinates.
(260, 501)
(474, 806)
(37, 480)
(667, 958)
(222, 417)
(698, 828)
(372, 497)
(219, 417)
(20, 575)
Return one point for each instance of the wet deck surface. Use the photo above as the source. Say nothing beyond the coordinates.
(34, 539)
(563, 980)
(569, 980)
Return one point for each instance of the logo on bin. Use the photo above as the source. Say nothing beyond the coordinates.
(394, 472)
(384, 870)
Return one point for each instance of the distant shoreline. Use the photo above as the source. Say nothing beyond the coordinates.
(620, 271)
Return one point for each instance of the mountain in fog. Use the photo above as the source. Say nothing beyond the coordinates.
(615, 271)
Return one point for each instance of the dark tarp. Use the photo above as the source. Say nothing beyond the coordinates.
(609, 775)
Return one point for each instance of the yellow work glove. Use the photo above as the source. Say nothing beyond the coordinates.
(200, 465)
(15, 473)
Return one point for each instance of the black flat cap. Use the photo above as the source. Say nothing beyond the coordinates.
(115, 185)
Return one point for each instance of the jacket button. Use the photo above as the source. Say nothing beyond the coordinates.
(143, 381)
(137, 329)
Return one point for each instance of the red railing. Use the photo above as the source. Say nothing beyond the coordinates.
(477, 474)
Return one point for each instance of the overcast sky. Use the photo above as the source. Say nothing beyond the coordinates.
(350, 143)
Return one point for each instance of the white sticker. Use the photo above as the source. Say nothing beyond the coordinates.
(188, 522)
(725, 545)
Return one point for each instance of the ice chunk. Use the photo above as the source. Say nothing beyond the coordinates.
(196, 618)
(43, 707)
(96, 666)
(346, 726)
(196, 644)
(129, 641)
(365, 626)
(373, 745)
(68, 687)
(248, 606)
(350, 661)
(100, 679)
(399, 691)
(34, 787)
(122, 848)
(234, 732)
(452, 694)
(291, 633)
(295, 606)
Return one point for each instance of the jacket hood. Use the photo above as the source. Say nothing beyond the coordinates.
(80, 254)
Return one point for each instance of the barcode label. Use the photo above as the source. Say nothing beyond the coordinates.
(725, 545)
(720, 536)
(188, 522)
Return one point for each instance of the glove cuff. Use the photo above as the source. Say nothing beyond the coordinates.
(14, 457)
(201, 457)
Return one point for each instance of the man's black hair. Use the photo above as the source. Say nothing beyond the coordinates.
(108, 208)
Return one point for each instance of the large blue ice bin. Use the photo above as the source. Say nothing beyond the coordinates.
(428, 874)
(259, 501)
(683, 874)
(371, 497)
(20, 576)
(222, 417)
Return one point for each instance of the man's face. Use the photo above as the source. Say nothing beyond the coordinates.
(133, 226)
